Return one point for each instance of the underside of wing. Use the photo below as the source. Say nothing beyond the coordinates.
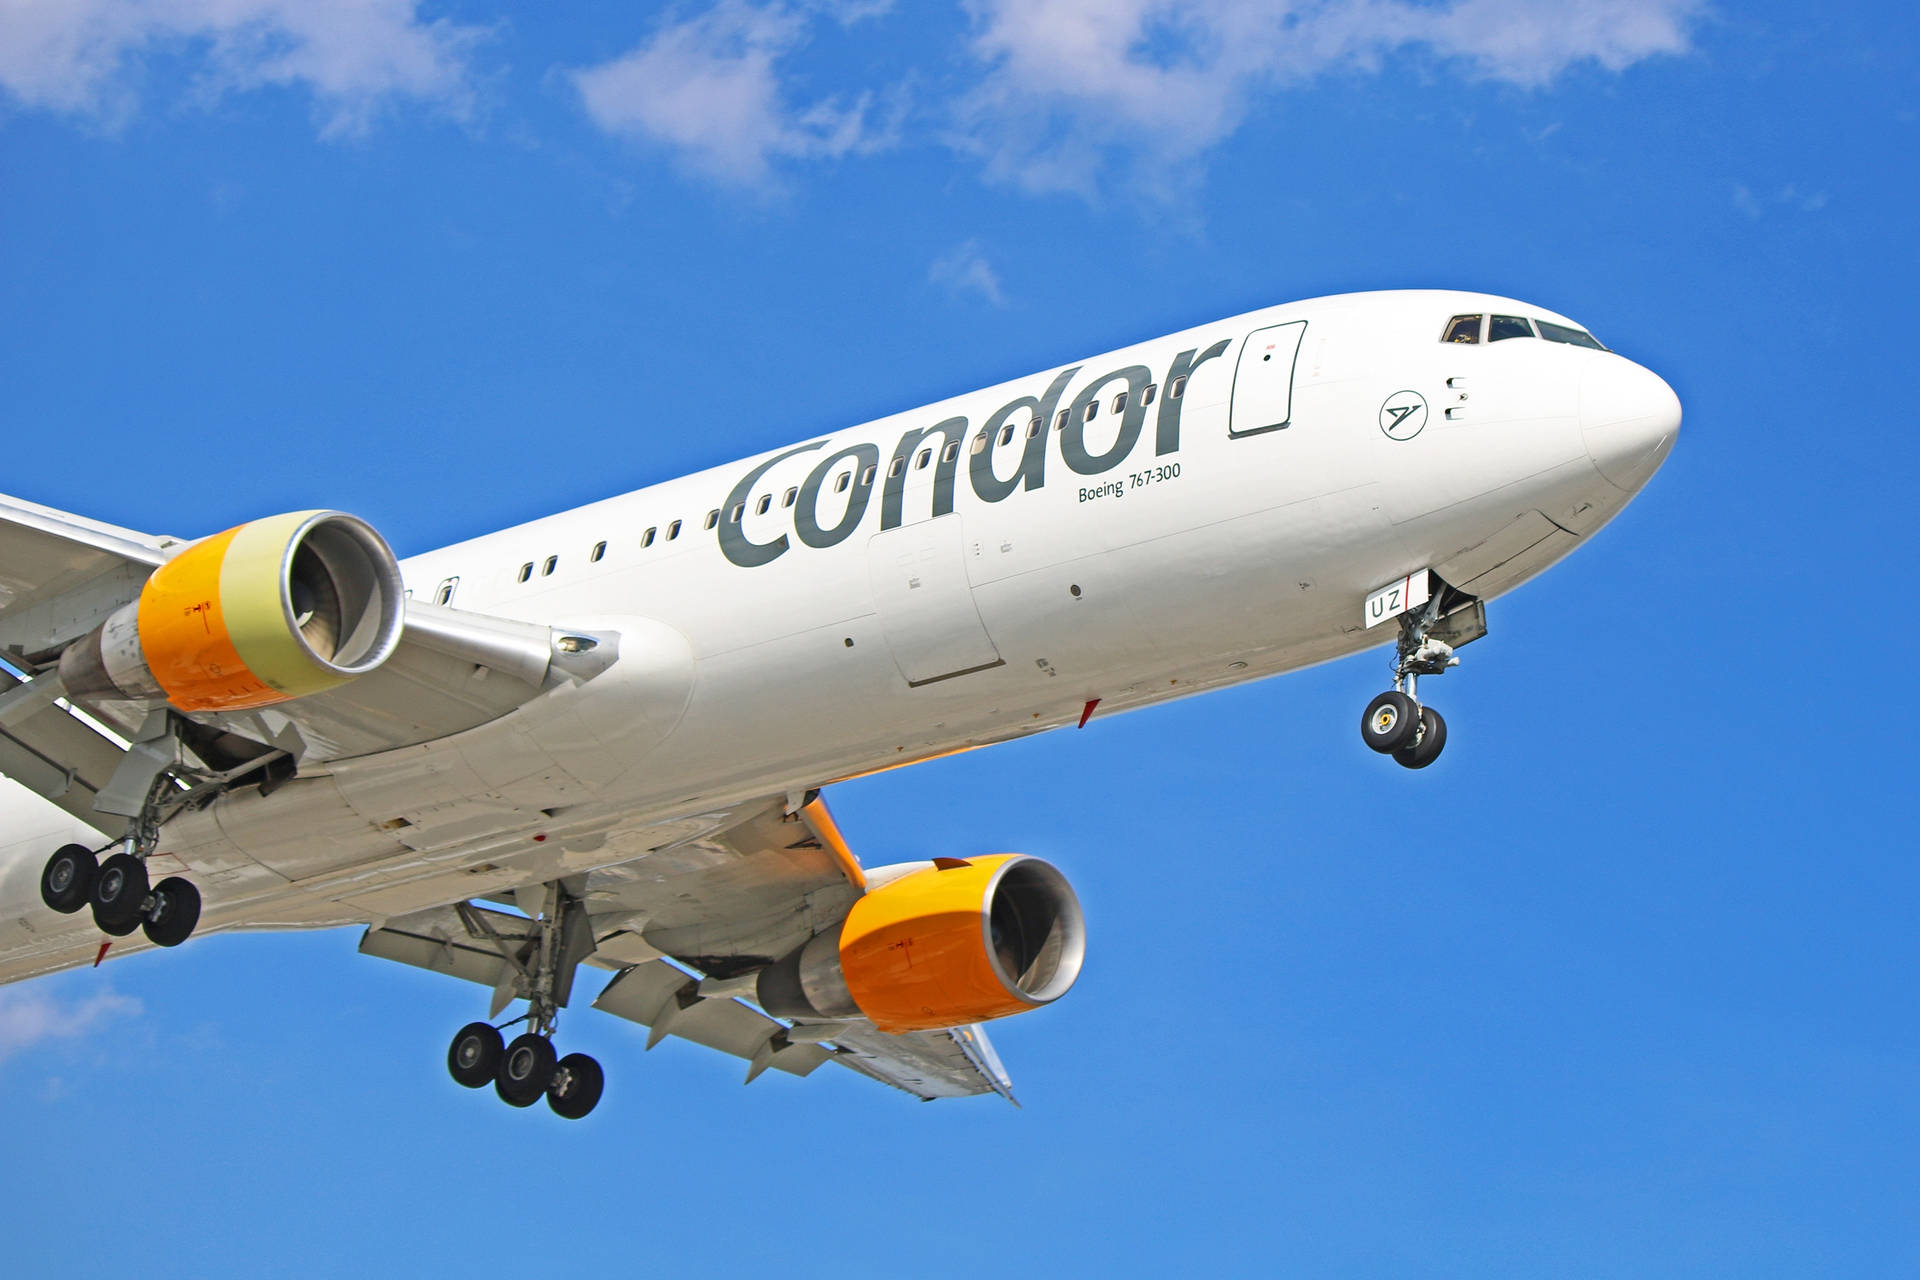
(728, 939)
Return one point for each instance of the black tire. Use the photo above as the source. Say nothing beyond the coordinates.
(176, 910)
(525, 1070)
(1433, 738)
(474, 1055)
(119, 894)
(66, 883)
(1389, 722)
(576, 1086)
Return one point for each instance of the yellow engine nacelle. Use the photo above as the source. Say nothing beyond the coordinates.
(961, 941)
(276, 609)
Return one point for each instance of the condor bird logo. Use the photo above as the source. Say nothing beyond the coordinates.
(1404, 413)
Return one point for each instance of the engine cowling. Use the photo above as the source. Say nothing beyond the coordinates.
(960, 941)
(272, 610)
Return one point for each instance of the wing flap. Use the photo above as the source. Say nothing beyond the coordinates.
(54, 754)
(437, 940)
(665, 999)
(960, 1063)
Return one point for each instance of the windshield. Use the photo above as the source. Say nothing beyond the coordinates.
(1469, 328)
(1567, 333)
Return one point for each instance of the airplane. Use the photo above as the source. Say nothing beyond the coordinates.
(601, 737)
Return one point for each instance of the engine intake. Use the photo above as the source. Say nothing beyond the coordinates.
(274, 609)
(962, 941)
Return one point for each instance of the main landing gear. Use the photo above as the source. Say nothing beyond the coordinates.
(524, 1069)
(1395, 723)
(118, 889)
(541, 966)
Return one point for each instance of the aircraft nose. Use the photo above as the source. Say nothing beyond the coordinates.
(1629, 417)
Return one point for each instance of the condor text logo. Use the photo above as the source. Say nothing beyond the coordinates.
(1006, 437)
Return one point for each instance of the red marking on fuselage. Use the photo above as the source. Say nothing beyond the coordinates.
(1086, 712)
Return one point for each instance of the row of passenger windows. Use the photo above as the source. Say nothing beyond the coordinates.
(921, 460)
(1499, 328)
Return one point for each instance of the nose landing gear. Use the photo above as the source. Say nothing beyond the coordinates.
(1395, 723)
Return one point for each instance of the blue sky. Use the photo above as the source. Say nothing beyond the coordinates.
(1632, 995)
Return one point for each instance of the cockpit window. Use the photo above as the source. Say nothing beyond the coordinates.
(1462, 329)
(1509, 327)
(1567, 333)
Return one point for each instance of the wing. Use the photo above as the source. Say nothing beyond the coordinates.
(62, 575)
(686, 927)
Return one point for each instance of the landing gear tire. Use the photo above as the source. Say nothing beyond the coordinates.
(1433, 737)
(66, 884)
(474, 1056)
(1390, 722)
(175, 911)
(526, 1068)
(119, 894)
(576, 1086)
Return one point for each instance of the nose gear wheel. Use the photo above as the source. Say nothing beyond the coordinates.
(1396, 723)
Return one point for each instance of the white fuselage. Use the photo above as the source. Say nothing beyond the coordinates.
(978, 594)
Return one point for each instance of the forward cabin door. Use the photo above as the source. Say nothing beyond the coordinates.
(925, 602)
(1263, 380)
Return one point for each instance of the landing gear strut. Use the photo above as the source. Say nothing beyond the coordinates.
(541, 966)
(1395, 723)
(118, 889)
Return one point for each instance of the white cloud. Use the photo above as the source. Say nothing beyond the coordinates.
(1788, 197)
(966, 270)
(29, 1017)
(1068, 83)
(84, 57)
(709, 87)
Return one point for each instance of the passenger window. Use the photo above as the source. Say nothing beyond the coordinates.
(739, 509)
(547, 568)
(646, 539)
(841, 481)
(445, 594)
(791, 494)
(980, 442)
(1565, 333)
(1177, 388)
(951, 452)
(673, 531)
(1093, 407)
(1006, 434)
(599, 550)
(1146, 394)
(760, 507)
(920, 463)
(1504, 327)
(1120, 403)
(866, 477)
(526, 571)
(713, 517)
(1462, 329)
(1033, 429)
(1060, 423)
(895, 467)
